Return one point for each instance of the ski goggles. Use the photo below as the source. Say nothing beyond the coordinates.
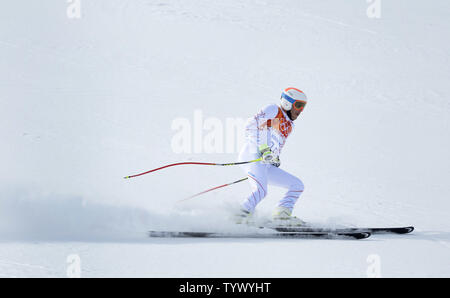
(298, 105)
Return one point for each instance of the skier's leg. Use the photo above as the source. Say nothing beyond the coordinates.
(257, 176)
(294, 186)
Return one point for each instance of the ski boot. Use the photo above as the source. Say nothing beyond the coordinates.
(243, 217)
(282, 217)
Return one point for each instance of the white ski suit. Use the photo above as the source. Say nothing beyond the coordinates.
(270, 126)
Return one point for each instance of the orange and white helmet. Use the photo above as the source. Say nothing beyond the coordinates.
(293, 98)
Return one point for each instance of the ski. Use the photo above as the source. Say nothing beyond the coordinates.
(287, 234)
(400, 230)
(395, 230)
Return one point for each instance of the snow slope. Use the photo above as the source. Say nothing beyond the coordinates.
(87, 101)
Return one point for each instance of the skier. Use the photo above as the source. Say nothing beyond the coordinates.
(266, 135)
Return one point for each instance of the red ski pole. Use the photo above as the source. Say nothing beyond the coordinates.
(214, 188)
(193, 163)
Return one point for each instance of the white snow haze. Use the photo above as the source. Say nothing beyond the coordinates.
(91, 93)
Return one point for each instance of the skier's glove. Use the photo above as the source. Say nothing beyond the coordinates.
(267, 156)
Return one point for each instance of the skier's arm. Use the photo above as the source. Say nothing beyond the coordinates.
(257, 132)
